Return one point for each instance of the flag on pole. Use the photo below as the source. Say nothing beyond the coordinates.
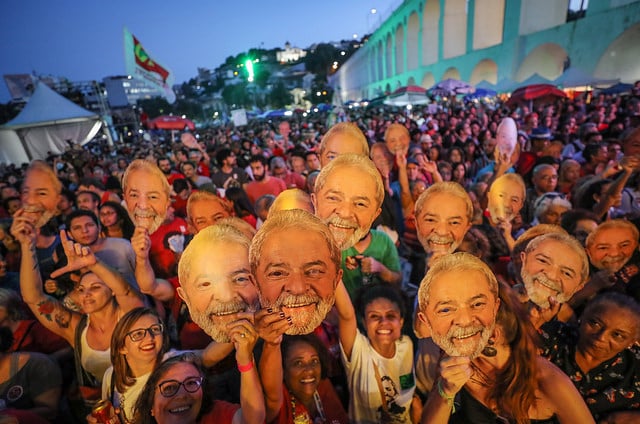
(140, 66)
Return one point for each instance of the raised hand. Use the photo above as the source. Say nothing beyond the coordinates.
(368, 264)
(244, 336)
(539, 315)
(78, 256)
(141, 242)
(271, 325)
(455, 371)
(401, 159)
(23, 229)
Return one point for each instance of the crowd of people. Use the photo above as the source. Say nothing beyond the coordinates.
(470, 265)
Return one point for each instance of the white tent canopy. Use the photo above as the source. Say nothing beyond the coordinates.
(576, 77)
(48, 123)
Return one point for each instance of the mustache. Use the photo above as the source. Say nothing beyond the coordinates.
(458, 332)
(144, 213)
(222, 308)
(33, 209)
(289, 300)
(438, 239)
(336, 220)
(542, 279)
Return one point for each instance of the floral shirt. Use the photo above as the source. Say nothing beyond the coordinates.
(614, 385)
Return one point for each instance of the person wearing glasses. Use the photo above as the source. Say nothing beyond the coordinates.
(177, 392)
(104, 296)
(138, 345)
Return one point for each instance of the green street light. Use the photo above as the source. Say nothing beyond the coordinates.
(248, 64)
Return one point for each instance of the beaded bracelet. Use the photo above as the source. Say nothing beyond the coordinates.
(447, 398)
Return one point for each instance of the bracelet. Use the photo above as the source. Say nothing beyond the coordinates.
(246, 367)
(447, 398)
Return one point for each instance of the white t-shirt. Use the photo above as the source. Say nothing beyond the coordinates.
(130, 398)
(396, 377)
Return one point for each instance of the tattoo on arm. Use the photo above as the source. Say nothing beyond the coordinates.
(46, 308)
(63, 317)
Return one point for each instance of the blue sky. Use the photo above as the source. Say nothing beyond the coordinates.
(82, 40)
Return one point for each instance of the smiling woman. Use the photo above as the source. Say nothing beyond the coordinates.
(378, 363)
(138, 345)
(300, 362)
(177, 392)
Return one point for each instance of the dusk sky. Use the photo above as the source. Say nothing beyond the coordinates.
(82, 40)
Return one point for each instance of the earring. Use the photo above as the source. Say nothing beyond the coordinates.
(489, 350)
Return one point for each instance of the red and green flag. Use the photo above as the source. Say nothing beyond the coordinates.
(141, 66)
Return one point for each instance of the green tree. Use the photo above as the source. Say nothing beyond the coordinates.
(280, 96)
(319, 61)
(236, 94)
(156, 106)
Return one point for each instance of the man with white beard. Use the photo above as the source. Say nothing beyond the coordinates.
(146, 194)
(443, 216)
(505, 199)
(554, 268)
(347, 197)
(457, 307)
(553, 265)
(296, 265)
(215, 280)
(458, 301)
(40, 195)
(613, 252)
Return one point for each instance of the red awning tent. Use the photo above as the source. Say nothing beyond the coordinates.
(535, 93)
(169, 122)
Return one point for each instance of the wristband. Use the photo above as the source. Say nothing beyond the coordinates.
(246, 367)
(447, 398)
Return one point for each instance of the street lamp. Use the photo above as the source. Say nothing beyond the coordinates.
(372, 11)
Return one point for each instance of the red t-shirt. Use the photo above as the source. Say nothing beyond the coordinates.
(203, 169)
(331, 405)
(31, 336)
(163, 241)
(221, 413)
(256, 189)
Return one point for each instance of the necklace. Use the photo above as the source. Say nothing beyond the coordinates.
(123, 414)
(480, 377)
(303, 417)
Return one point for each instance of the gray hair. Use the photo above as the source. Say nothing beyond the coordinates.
(448, 187)
(567, 240)
(612, 223)
(361, 163)
(42, 166)
(348, 128)
(547, 200)
(292, 219)
(459, 261)
(148, 166)
(218, 233)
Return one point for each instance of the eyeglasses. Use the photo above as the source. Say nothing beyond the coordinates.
(169, 388)
(139, 333)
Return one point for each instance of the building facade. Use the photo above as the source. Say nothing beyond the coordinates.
(426, 41)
